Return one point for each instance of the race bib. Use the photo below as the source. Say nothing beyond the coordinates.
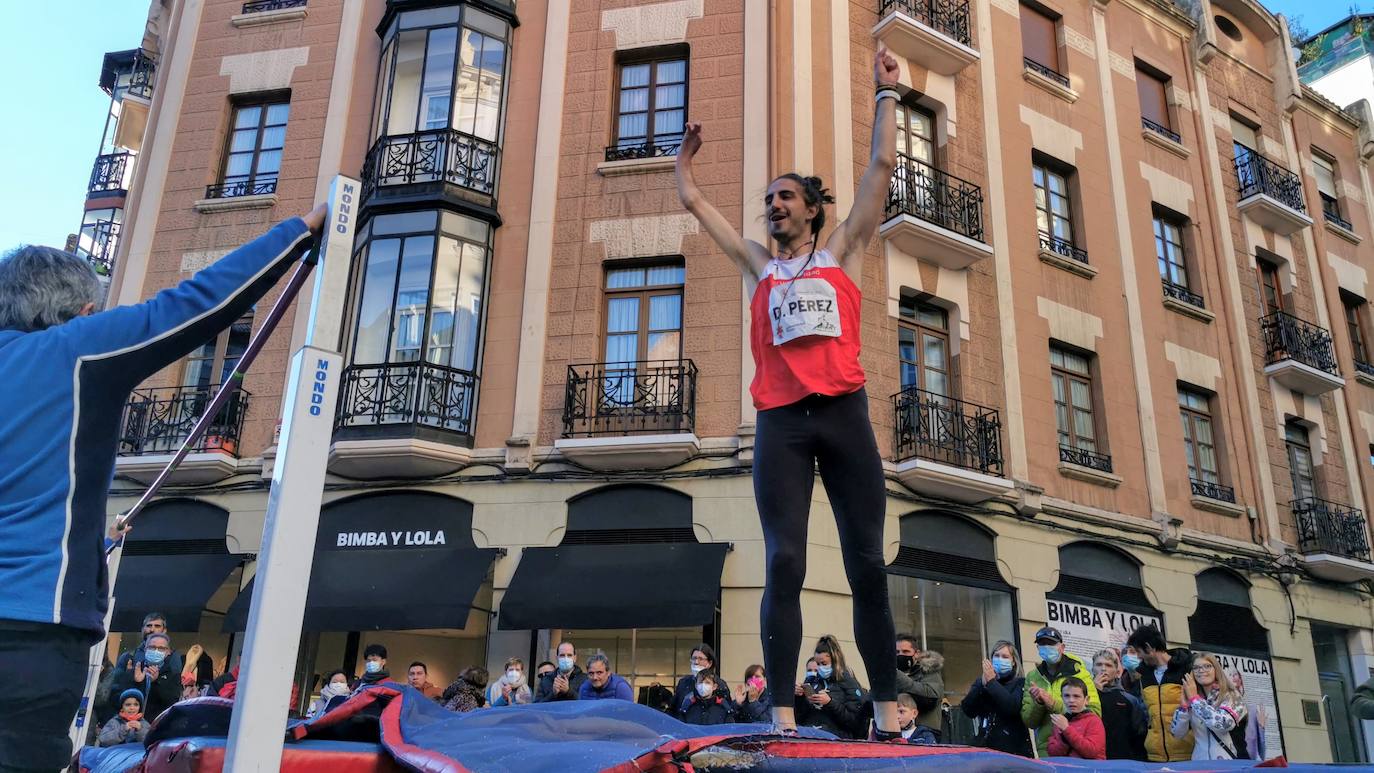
(803, 307)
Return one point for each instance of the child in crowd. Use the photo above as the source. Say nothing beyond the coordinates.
(906, 721)
(128, 726)
(1077, 732)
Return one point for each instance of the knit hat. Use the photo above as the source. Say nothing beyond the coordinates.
(132, 692)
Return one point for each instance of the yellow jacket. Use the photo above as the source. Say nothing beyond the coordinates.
(1161, 698)
(1051, 680)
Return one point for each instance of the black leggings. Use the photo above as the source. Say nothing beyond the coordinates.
(833, 432)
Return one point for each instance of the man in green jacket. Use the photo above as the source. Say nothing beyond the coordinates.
(1042, 694)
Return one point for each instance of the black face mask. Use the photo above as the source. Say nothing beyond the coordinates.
(905, 662)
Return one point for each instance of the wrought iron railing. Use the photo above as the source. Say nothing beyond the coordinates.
(922, 191)
(1364, 367)
(142, 76)
(438, 155)
(1288, 338)
(1330, 527)
(1048, 72)
(627, 398)
(259, 187)
(1160, 129)
(1180, 293)
(158, 421)
(1257, 175)
(1085, 458)
(948, 17)
(112, 172)
(104, 237)
(1062, 247)
(258, 6)
(642, 150)
(943, 429)
(414, 393)
(1331, 210)
(1205, 488)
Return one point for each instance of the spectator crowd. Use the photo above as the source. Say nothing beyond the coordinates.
(1142, 702)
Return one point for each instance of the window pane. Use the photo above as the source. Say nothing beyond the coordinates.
(934, 348)
(405, 87)
(239, 166)
(668, 122)
(634, 100)
(937, 382)
(435, 89)
(665, 312)
(443, 300)
(466, 228)
(404, 223)
(669, 72)
(622, 278)
(634, 75)
(622, 315)
(412, 298)
(1325, 174)
(1057, 358)
(247, 117)
(665, 275)
(906, 344)
(493, 77)
(664, 346)
(633, 126)
(622, 349)
(467, 315)
(269, 163)
(273, 138)
(374, 306)
(1081, 395)
(277, 114)
(243, 140)
(908, 375)
(669, 96)
(429, 18)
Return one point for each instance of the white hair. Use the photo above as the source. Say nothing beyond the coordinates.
(41, 287)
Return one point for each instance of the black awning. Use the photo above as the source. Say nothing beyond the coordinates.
(389, 561)
(172, 563)
(614, 586)
(178, 586)
(385, 590)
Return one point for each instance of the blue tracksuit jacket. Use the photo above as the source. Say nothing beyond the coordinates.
(61, 400)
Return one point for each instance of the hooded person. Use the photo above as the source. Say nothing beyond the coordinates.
(920, 674)
(1043, 695)
(128, 726)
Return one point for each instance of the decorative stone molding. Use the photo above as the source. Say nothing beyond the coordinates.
(1344, 233)
(636, 166)
(263, 70)
(1192, 367)
(1189, 310)
(193, 261)
(1089, 475)
(640, 237)
(260, 201)
(651, 25)
(264, 18)
(1123, 66)
(1159, 140)
(1079, 42)
(1054, 87)
(1052, 258)
(1218, 506)
(1067, 324)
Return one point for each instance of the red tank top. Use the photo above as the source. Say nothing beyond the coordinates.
(805, 331)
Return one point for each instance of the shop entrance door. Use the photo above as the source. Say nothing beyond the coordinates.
(1334, 675)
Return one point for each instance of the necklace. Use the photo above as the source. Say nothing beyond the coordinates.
(790, 282)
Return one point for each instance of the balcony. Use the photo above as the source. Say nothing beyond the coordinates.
(155, 422)
(1333, 539)
(639, 157)
(1364, 372)
(947, 448)
(1269, 194)
(111, 174)
(934, 216)
(1209, 495)
(238, 188)
(1086, 465)
(1161, 130)
(261, 6)
(1299, 355)
(100, 251)
(932, 33)
(446, 162)
(630, 415)
(405, 419)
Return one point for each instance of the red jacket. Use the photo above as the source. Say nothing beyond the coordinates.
(1085, 738)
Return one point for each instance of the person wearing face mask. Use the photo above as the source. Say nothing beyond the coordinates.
(510, 689)
(994, 702)
(1123, 714)
(159, 685)
(1161, 671)
(374, 666)
(752, 697)
(334, 692)
(565, 681)
(920, 674)
(709, 703)
(832, 700)
(1042, 697)
(703, 659)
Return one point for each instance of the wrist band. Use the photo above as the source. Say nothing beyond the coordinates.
(886, 87)
(886, 94)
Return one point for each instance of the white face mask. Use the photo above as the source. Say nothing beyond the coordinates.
(333, 690)
(705, 689)
(513, 676)
(696, 669)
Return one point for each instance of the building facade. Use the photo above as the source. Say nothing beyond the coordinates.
(1135, 385)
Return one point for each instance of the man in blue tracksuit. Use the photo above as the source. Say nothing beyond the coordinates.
(67, 373)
